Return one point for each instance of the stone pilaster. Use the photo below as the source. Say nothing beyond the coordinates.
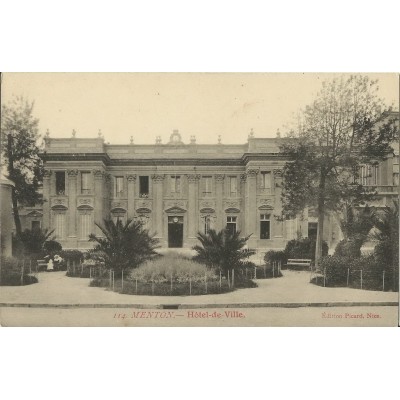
(72, 177)
(193, 180)
(219, 195)
(99, 177)
(131, 178)
(46, 198)
(158, 222)
(277, 228)
(242, 189)
(251, 206)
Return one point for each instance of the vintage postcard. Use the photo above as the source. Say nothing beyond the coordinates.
(199, 199)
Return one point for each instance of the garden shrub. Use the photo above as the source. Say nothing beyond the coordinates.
(52, 247)
(275, 256)
(304, 248)
(11, 273)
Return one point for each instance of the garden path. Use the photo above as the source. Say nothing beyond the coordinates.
(293, 287)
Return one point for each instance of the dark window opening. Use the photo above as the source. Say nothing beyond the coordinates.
(265, 230)
(35, 225)
(312, 229)
(143, 186)
(231, 225)
(60, 182)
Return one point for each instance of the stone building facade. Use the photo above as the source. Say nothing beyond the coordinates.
(178, 189)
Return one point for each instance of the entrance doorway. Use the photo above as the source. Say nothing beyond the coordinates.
(175, 232)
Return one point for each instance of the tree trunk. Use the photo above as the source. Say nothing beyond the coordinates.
(17, 220)
(10, 157)
(321, 215)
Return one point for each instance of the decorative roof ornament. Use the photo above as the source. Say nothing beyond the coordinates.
(251, 134)
(100, 134)
(73, 133)
(192, 139)
(175, 138)
(278, 133)
(131, 140)
(47, 133)
(219, 139)
(158, 140)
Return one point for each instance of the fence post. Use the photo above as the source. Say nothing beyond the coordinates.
(383, 282)
(220, 280)
(190, 285)
(30, 266)
(265, 271)
(136, 285)
(324, 276)
(122, 282)
(113, 280)
(205, 280)
(110, 279)
(348, 276)
(233, 278)
(171, 282)
(22, 272)
(255, 272)
(152, 288)
(273, 269)
(361, 278)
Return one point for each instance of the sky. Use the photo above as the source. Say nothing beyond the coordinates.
(146, 105)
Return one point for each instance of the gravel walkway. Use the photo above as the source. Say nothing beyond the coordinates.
(55, 288)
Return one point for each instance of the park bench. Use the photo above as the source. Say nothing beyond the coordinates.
(41, 265)
(299, 262)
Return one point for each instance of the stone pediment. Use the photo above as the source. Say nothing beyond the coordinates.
(175, 210)
(34, 213)
(143, 210)
(232, 210)
(207, 210)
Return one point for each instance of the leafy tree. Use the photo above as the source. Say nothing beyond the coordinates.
(387, 234)
(124, 246)
(52, 246)
(224, 249)
(20, 153)
(345, 127)
(355, 225)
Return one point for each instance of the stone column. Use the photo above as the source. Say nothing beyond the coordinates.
(242, 189)
(72, 177)
(251, 206)
(7, 221)
(99, 177)
(158, 180)
(46, 198)
(277, 228)
(219, 195)
(131, 178)
(193, 206)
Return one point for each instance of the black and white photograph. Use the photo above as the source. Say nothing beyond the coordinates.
(199, 199)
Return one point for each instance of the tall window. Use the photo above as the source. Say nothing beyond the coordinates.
(85, 225)
(266, 180)
(119, 216)
(369, 175)
(59, 225)
(207, 224)
(60, 182)
(175, 184)
(207, 186)
(143, 186)
(265, 226)
(231, 224)
(233, 186)
(85, 182)
(119, 186)
(312, 229)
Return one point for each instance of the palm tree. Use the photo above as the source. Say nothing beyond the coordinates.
(33, 240)
(223, 250)
(124, 246)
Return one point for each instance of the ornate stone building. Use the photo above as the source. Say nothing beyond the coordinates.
(177, 189)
